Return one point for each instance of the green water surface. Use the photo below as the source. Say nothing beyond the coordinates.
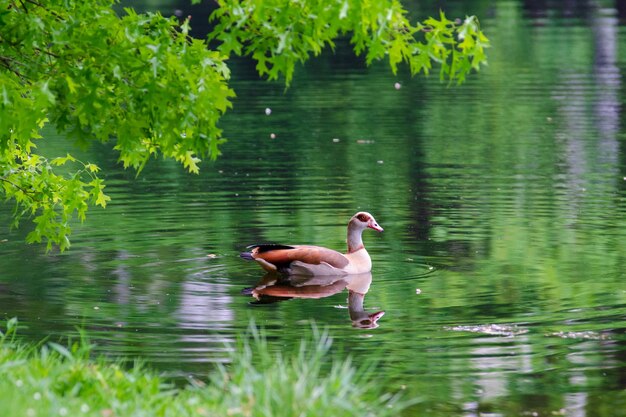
(501, 269)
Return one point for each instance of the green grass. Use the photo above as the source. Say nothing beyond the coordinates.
(49, 379)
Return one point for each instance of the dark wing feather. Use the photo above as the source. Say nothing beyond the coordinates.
(269, 246)
(261, 248)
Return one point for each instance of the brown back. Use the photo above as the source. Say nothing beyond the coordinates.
(308, 254)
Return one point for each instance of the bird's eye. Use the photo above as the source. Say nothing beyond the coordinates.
(362, 217)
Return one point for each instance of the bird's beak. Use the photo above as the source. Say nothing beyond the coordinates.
(375, 226)
(371, 322)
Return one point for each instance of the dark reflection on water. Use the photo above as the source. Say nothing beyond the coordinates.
(275, 287)
(501, 268)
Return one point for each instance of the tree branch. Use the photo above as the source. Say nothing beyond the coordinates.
(6, 62)
(36, 3)
(23, 6)
(28, 193)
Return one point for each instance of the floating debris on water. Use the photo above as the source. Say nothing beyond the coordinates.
(588, 335)
(491, 329)
(364, 141)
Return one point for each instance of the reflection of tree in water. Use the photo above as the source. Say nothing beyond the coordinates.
(275, 288)
(589, 108)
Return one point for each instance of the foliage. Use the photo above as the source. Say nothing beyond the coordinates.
(55, 380)
(299, 385)
(140, 82)
(52, 198)
(280, 33)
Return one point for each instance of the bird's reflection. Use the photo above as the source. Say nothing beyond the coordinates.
(275, 287)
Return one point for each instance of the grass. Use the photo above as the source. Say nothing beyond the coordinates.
(50, 379)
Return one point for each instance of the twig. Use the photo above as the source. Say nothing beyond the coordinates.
(43, 51)
(17, 186)
(52, 12)
(24, 6)
(5, 62)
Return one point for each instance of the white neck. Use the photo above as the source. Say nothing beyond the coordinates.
(354, 237)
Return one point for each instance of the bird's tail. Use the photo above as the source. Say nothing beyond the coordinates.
(247, 256)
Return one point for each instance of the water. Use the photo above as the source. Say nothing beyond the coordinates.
(501, 268)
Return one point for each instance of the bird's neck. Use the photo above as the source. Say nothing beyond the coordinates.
(355, 242)
(355, 305)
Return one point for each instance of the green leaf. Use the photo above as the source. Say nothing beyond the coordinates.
(102, 199)
(62, 160)
(70, 84)
(45, 89)
(191, 162)
(5, 97)
(62, 350)
(92, 168)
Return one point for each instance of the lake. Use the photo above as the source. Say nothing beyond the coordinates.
(502, 267)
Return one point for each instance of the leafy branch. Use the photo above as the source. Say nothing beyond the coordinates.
(16, 186)
(138, 81)
(280, 33)
(52, 199)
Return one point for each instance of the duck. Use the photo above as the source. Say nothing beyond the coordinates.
(317, 260)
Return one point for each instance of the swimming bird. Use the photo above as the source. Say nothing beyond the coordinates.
(317, 260)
